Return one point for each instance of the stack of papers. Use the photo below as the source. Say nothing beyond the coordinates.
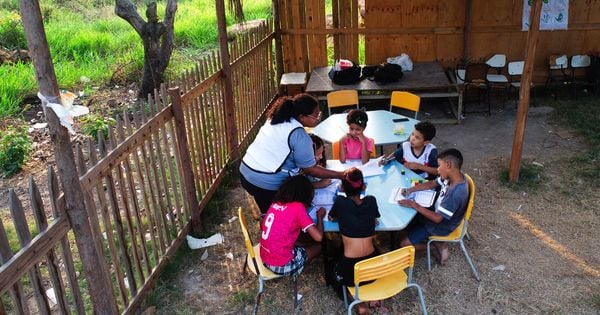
(324, 197)
(370, 168)
(424, 198)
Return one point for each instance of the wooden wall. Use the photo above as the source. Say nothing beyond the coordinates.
(427, 30)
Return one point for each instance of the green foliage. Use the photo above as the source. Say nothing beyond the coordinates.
(530, 177)
(14, 149)
(11, 31)
(87, 39)
(93, 124)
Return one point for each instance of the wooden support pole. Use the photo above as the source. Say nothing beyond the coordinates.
(524, 91)
(278, 45)
(187, 177)
(95, 269)
(230, 119)
(467, 32)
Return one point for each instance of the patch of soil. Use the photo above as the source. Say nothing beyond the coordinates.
(536, 251)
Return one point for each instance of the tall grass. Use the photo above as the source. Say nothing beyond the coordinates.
(87, 39)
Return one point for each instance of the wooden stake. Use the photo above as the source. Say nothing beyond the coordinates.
(524, 91)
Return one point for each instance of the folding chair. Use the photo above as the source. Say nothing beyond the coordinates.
(342, 98)
(497, 80)
(335, 150)
(515, 71)
(557, 66)
(475, 76)
(458, 235)
(255, 264)
(580, 64)
(405, 100)
(387, 271)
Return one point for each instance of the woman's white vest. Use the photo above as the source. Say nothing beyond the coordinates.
(408, 156)
(271, 147)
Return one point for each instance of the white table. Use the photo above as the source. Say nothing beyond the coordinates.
(394, 217)
(380, 127)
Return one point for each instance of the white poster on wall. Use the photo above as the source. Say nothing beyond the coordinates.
(554, 15)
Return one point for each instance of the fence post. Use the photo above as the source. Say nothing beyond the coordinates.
(230, 118)
(94, 267)
(186, 163)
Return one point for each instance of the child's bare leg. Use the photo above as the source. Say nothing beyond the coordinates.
(442, 249)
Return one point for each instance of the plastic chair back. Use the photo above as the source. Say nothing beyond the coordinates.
(335, 150)
(516, 67)
(497, 61)
(383, 265)
(581, 61)
(247, 240)
(471, 201)
(342, 98)
(405, 100)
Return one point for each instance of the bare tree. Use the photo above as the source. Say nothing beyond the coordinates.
(157, 38)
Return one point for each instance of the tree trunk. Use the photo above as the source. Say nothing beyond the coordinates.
(157, 37)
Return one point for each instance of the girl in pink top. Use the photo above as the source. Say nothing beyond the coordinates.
(355, 145)
(282, 224)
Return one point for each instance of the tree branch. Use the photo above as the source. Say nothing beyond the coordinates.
(166, 47)
(128, 11)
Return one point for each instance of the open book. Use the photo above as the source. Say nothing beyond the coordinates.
(424, 198)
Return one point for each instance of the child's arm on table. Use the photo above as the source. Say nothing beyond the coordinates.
(317, 232)
(420, 167)
(430, 215)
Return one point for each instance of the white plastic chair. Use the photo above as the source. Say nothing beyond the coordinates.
(515, 71)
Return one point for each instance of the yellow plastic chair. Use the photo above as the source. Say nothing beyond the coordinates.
(459, 234)
(389, 275)
(255, 264)
(405, 100)
(342, 98)
(335, 150)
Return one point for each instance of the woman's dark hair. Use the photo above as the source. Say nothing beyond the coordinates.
(296, 188)
(317, 143)
(287, 107)
(357, 116)
(353, 183)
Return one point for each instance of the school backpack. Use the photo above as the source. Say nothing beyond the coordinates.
(345, 72)
(387, 73)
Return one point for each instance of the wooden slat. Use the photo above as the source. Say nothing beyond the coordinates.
(37, 208)
(118, 223)
(115, 156)
(31, 253)
(24, 235)
(58, 210)
(14, 287)
(108, 231)
(132, 209)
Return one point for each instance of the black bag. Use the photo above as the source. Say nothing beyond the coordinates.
(345, 76)
(386, 73)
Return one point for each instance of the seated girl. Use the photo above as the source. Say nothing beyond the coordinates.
(355, 145)
(357, 219)
(282, 224)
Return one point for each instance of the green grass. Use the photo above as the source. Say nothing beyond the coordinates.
(87, 39)
(583, 115)
(530, 177)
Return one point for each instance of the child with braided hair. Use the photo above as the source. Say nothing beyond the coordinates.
(355, 145)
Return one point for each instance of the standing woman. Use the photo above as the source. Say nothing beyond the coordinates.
(282, 149)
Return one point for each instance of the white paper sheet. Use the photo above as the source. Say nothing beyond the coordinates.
(422, 197)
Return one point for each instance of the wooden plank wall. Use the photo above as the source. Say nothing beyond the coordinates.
(430, 30)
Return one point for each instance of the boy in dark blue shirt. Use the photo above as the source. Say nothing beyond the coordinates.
(449, 208)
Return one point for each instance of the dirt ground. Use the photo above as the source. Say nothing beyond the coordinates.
(535, 250)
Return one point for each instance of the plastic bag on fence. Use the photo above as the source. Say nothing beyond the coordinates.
(403, 61)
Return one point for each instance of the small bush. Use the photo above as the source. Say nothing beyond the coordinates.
(15, 146)
(530, 177)
(94, 123)
(12, 35)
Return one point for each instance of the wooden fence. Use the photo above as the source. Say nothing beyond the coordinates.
(158, 168)
(427, 30)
